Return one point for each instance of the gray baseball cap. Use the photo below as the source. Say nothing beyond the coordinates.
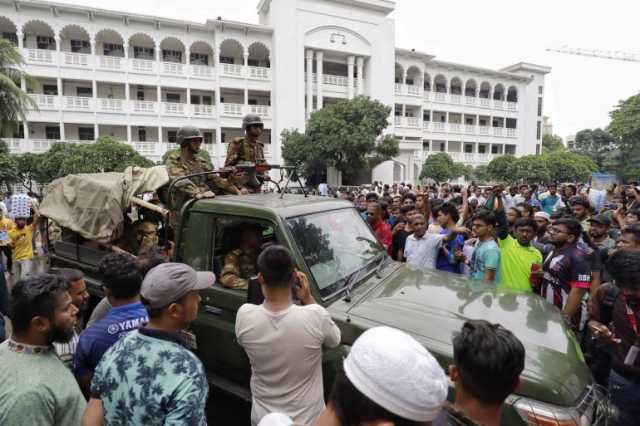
(168, 282)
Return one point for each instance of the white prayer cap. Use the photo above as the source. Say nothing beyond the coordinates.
(396, 372)
(275, 419)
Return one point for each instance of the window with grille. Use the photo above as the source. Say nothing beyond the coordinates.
(80, 46)
(12, 37)
(52, 132)
(142, 135)
(50, 89)
(510, 149)
(539, 107)
(143, 52)
(45, 42)
(173, 97)
(199, 59)
(172, 56)
(253, 63)
(226, 60)
(112, 49)
(482, 149)
(84, 92)
(86, 133)
(208, 137)
(538, 130)
(172, 136)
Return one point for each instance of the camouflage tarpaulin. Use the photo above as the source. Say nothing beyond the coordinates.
(93, 204)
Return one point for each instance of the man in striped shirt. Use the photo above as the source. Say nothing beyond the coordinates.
(77, 289)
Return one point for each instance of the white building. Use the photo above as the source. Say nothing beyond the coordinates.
(138, 78)
(547, 126)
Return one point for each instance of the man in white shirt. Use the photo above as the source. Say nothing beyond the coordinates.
(284, 342)
(421, 248)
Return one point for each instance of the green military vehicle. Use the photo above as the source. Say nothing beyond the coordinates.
(352, 276)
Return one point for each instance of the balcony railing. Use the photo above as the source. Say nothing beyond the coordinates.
(412, 122)
(173, 108)
(232, 70)
(497, 131)
(259, 73)
(413, 90)
(440, 97)
(498, 104)
(39, 56)
(77, 103)
(426, 125)
(455, 99)
(469, 100)
(263, 111)
(110, 62)
(144, 107)
(484, 102)
(203, 110)
(512, 106)
(75, 59)
(110, 105)
(454, 127)
(511, 132)
(232, 109)
(483, 130)
(398, 88)
(45, 101)
(470, 129)
(397, 120)
(426, 95)
(201, 71)
(438, 126)
(335, 80)
(172, 68)
(142, 65)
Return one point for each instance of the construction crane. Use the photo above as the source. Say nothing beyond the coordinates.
(597, 53)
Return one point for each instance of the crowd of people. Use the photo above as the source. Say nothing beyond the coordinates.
(129, 360)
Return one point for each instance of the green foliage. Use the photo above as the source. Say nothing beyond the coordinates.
(8, 171)
(4, 148)
(481, 174)
(441, 167)
(596, 144)
(343, 135)
(625, 126)
(103, 155)
(14, 102)
(552, 143)
(498, 168)
(568, 166)
(529, 168)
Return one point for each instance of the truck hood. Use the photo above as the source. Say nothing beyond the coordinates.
(433, 305)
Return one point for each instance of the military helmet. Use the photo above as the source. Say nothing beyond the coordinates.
(186, 133)
(251, 119)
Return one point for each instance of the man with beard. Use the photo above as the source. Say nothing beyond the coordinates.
(567, 271)
(599, 232)
(80, 299)
(37, 389)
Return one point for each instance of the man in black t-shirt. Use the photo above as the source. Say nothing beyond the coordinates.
(400, 234)
(567, 272)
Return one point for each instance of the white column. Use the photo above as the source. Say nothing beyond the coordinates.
(127, 92)
(19, 34)
(128, 133)
(60, 88)
(125, 47)
(360, 68)
(159, 60)
(160, 134)
(246, 83)
(350, 62)
(58, 42)
(404, 111)
(319, 77)
(62, 133)
(94, 90)
(309, 54)
(96, 131)
(187, 56)
(25, 130)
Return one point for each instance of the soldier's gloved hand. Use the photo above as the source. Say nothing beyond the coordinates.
(206, 194)
(244, 191)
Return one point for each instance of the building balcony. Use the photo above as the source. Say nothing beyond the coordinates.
(411, 122)
(80, 60)
(40, 56)
(458, 128)
(239, 110)
(250, 72)
(455, 128)
(466, 157)
(143, 107)
(455, 99)
(45, 102)
(77, 103)
(111, 105)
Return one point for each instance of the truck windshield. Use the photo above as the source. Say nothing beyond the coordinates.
(335, 245)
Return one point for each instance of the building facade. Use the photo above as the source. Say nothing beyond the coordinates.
(139, 78)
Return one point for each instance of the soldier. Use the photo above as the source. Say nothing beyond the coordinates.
(240, 263)
(188, 159)
(248, 149)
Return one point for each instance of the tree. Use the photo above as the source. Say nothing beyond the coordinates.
(625, 126)
(530, 169)
(481, 174)
(441, 167)
(552, 143)
(14, 102)
(568, 166)
(498, 168)
(596, 144)
(8, 171)
(345, 135)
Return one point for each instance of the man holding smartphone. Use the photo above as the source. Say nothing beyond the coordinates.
(615, 321)
(284, 341)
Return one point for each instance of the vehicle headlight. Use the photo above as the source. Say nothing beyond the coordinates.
(592, 409)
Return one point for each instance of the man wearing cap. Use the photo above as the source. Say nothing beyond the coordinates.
(389, 378)
(542, 219)
(599, 232)
(190, 159)
(150, 377)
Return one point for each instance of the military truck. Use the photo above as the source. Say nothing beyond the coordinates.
(351, 275)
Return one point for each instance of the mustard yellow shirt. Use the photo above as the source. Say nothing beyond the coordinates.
(21, 242)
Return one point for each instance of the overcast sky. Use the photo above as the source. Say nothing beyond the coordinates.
(580, 91)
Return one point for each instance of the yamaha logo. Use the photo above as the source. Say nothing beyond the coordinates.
(113, 328)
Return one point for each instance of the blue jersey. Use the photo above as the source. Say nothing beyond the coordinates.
(95, 340)
(485, 256)
(446, 259)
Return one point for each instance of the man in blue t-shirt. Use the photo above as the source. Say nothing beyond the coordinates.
(450, 254)
(121, 282)
(551, 201)
(485, 261)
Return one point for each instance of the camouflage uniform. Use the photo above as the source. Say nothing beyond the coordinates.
(243, 151)
(189, 188)
(239, 267)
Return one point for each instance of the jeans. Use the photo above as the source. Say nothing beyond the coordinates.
(625, 395)
(22, 269)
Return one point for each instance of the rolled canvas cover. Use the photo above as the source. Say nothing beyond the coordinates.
(93, 204)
